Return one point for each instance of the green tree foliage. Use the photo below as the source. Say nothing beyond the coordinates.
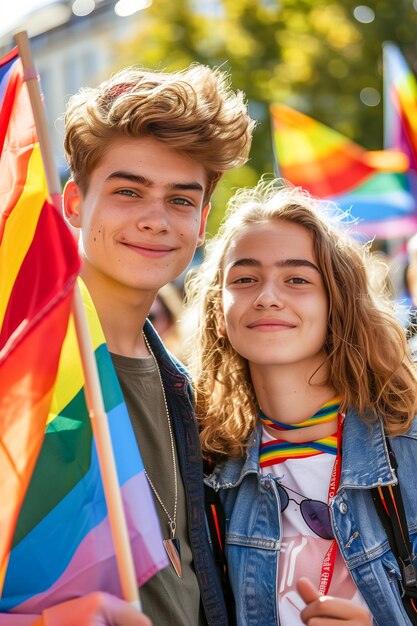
(313, 55)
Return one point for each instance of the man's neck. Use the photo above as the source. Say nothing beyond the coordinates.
(122, 313)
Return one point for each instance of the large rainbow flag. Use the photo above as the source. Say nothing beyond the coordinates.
(373, 186)
(38, 268)
(62, 547)
(57, 545)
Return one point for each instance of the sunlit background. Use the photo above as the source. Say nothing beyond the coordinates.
(323, 58)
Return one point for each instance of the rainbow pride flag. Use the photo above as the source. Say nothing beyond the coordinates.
(62, 547)
(400, 104)
(373, 186)
(38, 268)
(55, 538)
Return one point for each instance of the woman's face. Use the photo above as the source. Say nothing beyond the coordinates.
(275, 305)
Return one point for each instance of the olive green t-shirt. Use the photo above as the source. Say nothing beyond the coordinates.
(167, 599)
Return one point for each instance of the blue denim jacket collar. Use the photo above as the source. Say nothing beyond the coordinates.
(365, 460)
(230, 473)
(175, 377)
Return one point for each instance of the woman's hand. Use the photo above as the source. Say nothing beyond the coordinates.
(329, 611)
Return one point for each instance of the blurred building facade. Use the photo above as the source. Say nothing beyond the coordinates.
(72, 51)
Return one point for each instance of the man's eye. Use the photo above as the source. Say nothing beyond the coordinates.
(127, 192)
(182, 201)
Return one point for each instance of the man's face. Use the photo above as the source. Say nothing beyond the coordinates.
(142, 216)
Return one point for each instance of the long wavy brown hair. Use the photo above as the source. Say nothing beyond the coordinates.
(366, 348)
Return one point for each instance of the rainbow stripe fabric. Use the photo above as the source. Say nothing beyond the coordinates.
(373, 186)
(55, 539)
(400, 104)
(38, 268)
(62, 547)
(279, 450)
(327, 413)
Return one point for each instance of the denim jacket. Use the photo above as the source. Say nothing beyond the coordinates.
(253, 520)
(179, 399)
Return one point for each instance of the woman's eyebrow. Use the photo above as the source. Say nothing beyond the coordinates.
(251, 262)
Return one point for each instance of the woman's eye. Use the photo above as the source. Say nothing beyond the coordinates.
(243, 280)
(298, 281)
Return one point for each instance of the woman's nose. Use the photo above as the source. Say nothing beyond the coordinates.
(269, 296)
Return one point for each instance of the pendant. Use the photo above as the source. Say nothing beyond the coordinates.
(173, 550)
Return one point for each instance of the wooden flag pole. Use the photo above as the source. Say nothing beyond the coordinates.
(94, 397)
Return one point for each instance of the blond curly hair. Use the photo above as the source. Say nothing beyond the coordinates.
(368, 360)
(194, 111)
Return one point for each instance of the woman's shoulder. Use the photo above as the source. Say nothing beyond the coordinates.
(374, 427)
(411, 432)
(404, 446)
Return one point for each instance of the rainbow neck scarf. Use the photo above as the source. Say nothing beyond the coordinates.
(279, 450)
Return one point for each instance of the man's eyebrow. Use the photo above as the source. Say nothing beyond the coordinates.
(187, 186)
(142, 180)
(250, 262)
(133, 178)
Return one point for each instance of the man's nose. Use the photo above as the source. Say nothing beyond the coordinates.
(153, 217)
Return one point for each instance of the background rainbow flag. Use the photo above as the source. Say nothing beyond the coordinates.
(373, 186)
(38, 268)
(400, 104)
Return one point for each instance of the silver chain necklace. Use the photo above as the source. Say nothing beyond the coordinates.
(172, 545)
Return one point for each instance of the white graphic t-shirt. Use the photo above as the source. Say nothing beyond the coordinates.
(302, 551)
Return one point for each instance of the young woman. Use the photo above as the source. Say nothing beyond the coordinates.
(300, 371)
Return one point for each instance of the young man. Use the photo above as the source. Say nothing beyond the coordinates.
(146, 151)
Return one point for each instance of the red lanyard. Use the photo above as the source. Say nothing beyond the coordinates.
(329, 560)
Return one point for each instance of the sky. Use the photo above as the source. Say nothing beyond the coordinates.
(14, 10)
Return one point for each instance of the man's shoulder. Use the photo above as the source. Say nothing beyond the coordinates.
(177, 363)
(165, 358)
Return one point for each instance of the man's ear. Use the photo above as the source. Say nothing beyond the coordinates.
(202, 232)
(71, 200)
